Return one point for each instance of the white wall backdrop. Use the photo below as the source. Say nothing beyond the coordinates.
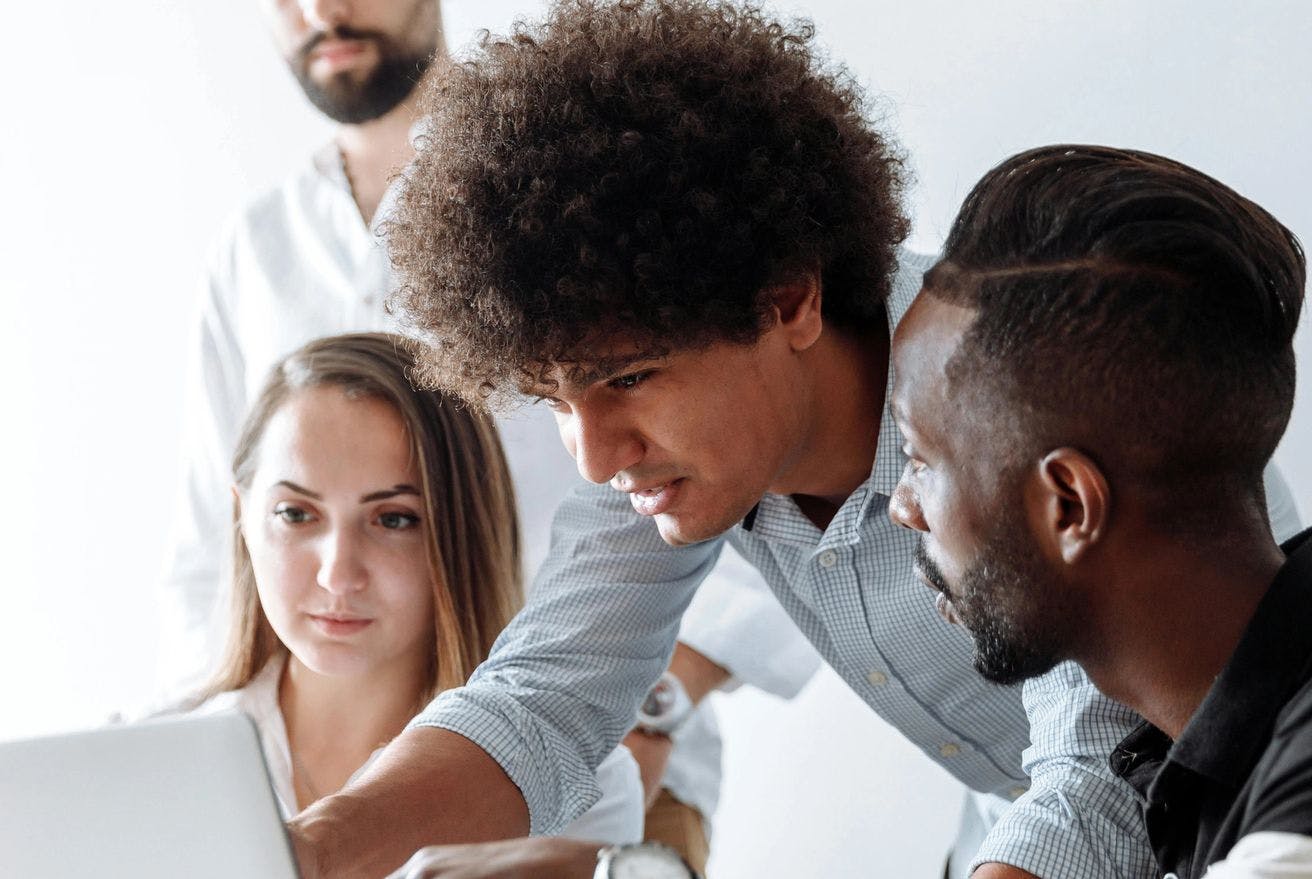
(133, 128)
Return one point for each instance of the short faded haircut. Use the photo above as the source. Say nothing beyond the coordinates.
(1132, 306)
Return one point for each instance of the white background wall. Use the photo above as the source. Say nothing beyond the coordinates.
(131, 129)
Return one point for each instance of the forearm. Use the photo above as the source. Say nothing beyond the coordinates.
(995, 870)
(698, 674)
(429, 786)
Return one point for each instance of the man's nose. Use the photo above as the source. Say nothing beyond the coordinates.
(904, 508)
(325, 15)
(601, 445)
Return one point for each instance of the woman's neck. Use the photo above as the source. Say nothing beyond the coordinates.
(334, 723)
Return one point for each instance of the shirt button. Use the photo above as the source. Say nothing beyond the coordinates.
(827, 558)
(1017, 792)
(1170, 876)
(950, 749)
(877, 678)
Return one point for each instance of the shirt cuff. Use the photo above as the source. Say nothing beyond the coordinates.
(1086, 829)
(556, 788)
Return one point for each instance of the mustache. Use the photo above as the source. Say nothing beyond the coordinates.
(929, 569)
(343, 32)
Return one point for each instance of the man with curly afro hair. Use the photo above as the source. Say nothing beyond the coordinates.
(673, 223)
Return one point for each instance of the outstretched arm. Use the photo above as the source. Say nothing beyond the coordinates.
(378, 822)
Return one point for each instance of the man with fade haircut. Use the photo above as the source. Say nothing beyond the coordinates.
(1090, 385)
(673, 224)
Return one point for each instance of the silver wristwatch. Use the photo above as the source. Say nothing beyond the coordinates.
(642, 860)
(666, 707)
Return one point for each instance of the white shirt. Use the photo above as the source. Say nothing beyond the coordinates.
(1266, 855)
(616, 818)
(300, 263)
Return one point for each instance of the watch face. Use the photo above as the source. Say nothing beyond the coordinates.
(648, 862)
(659, 700)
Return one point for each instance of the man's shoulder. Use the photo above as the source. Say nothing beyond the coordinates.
(1293, 727)
(268, 210)
(265, 228)
(1280, 788)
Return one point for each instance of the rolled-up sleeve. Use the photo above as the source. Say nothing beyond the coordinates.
(565, 678)
(1077, 820)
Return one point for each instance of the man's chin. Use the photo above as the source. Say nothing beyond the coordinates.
(678, 530)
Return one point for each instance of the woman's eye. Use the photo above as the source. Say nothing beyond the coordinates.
(291, 515)
(398, 521)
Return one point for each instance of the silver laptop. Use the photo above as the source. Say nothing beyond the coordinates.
(186, 796)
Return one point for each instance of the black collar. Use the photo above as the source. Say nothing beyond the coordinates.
(1227, 734)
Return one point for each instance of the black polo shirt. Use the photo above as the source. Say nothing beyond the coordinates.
(1244, 762)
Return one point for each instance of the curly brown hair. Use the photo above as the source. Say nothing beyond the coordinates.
(641, 170)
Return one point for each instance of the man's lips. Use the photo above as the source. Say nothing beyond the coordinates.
(655, 499)
(336, 53)
(943, 605)
(942, 601)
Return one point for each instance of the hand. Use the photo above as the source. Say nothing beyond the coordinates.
(535, 858)
(995, 870)
(652, 752)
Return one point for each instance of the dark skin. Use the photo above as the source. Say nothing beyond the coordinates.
(1099, 540)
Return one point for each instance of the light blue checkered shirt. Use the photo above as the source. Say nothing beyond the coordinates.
(561, 686)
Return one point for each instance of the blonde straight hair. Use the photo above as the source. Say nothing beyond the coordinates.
(470, 526)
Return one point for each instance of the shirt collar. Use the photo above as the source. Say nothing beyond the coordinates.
(328, 163)
(1227, 734)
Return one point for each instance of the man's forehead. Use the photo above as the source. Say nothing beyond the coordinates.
(923, 345)
(931, 328)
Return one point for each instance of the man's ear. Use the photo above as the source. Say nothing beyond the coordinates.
(1075, 503)
(797, 304)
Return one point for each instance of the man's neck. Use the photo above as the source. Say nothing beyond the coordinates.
(372, 152)
(850, 374)
(1177, 622)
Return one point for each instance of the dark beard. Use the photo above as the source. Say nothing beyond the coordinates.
(350, 102)
(1009, 606)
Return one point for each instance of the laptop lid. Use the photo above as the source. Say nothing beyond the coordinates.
(183, 796)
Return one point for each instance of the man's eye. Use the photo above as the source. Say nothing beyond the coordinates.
(552, 403)
(398, 521)
(291, 515)
(630, 381)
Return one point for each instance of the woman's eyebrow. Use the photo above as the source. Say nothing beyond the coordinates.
(299, 489)
(386, 493)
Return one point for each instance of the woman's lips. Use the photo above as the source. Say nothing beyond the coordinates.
(340, 626)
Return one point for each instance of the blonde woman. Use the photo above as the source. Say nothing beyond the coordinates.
(376, 558)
